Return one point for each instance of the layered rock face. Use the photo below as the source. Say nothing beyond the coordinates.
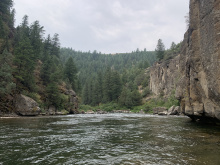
(164, 77)
(195, 74)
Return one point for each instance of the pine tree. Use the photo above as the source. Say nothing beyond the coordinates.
(53, 95)
(107, 86)
(85, 94)
(70, 72)
(136, 98)
(160, 49)
(55, 42)
(36, 38)
(5, 6)
(116, 86)
(99, 87)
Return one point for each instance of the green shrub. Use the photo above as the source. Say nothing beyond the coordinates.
(85, 108)
(146, 92)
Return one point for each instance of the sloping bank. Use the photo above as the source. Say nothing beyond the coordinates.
(195, 73)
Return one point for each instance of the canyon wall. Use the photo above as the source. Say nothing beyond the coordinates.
(194, 75)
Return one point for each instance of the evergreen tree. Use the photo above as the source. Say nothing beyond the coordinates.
(85, 95)
(25, 64)
(173, 46)
(36, 38)
(107, 86)
(136, 98)
(53, 95)
(5, 6)
(125, 98)
(99, 87)
(160, 49)
(6, 25)
(2, 29)
(95, 93)
(70, 72)
(55, 43)
(6, 78)
(116, 86)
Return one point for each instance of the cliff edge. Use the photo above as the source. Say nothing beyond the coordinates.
(195, 73)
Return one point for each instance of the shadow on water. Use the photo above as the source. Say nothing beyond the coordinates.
(108, 139)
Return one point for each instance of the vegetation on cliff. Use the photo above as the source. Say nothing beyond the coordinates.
(30, 64)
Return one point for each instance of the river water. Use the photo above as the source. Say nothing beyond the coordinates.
(109, 139)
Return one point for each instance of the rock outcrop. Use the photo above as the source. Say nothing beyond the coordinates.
(164, 76)
(73, 102)
(195, 73)
(174, 110)
(160, 111)
(25, 106)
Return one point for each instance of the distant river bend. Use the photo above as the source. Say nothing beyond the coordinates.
(117, 139)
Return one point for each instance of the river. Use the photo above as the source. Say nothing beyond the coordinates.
(108, 139)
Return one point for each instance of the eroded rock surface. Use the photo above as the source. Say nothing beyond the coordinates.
(195, 73)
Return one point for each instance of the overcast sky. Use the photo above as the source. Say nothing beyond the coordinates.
(108, 26)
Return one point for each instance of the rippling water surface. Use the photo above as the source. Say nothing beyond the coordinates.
(117, 139)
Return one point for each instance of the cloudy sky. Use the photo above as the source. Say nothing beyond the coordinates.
(108, 26)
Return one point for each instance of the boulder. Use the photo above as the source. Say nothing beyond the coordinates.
(90, 112)
(160, 110)
(177, 110)
(26, 106)
(99, 111)
(51, 110)
(170, 111)
(174, 110)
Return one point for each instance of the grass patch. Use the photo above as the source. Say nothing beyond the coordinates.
(147, 107)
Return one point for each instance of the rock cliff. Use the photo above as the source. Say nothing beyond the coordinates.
(195, 73)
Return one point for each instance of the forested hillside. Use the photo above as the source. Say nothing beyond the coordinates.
(120, 79)
(30, 63)
(105, 78)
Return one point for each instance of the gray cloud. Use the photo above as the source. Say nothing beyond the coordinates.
(108, 26)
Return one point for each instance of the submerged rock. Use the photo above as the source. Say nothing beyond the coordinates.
(26, 106)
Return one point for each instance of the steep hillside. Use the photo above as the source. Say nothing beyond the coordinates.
(33, 79)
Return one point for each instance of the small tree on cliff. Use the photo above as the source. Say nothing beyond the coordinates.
(160, 49)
